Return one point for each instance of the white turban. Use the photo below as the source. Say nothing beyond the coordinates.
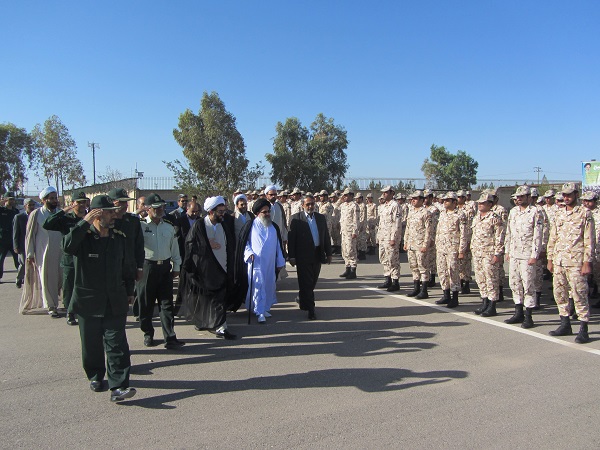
(46, 192)
(212, 202)
(271, 188)
(239, 197)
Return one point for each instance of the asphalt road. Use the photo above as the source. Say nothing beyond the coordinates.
(375, 371)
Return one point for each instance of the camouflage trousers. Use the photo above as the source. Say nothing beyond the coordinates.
(335, 234)
(418, 264)
(538, 277)
(486, 276)
(389, 257)
(464, 266)
(330, 230)
(501, 274)
(349, 250)
(432, 261)
(569, 279)
(371, 234)
(596, 269)
(521, 282)
(447, 266)
(362, 240)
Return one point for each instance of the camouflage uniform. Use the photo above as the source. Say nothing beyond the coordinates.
(523, 242)
(539, 267)
(419, 234)
(435, 217)
(390, 226)
(572, 243)
(503, 214)
(451, 239)
(487, 241)
(464, 265)
(362, 229)
(349, 225)
(327, 210)
(372, 217)
(336, 235)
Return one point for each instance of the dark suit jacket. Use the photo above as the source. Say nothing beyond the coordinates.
(182, 227)
(19, 227)
(300, 241)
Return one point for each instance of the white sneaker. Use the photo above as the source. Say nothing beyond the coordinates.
(262, 319)
(268, 314)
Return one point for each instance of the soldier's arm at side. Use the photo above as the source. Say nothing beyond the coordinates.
(73, 239)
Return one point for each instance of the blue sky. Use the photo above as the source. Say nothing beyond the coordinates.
(512, 83)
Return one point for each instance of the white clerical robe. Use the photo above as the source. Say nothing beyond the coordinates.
(264, 245)
(44, 278)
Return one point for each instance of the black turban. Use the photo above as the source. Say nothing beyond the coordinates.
(260, 204)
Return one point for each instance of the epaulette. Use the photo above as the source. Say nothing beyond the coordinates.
(168, 220)
(116, 231)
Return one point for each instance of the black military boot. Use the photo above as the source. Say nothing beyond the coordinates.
(352, 274)
(465, 288)
(490, 311)
(518, 316)
(528, 320)
(484, 304)
(387, 284)
(453, 303)
(445, 299)
(395, 286)
(361, 255)
(431, 280)
(564, 329)
(423, 294)
(500, 293)
(346, 273)
(572, 310)
(582, 336)
(416, 289)
(538, 298)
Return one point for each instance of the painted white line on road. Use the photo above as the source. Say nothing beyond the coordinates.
(471, 316)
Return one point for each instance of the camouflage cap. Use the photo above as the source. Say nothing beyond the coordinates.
(348, 191)
(541, 200)
(359, 195)
(450, 196)
(387, 189)
(513, 196)
(323, 192)
(493, 191)
(559, 197)
(485, 198)
(569, 188)
(550, 193)
(337, 192)
(534, 192)
(523, 190)
(284, 193)
(427, 192)
(370, 195)
(589, 195)
(295, 191)
(308, 194)
(461, 193)
(417, 193)
(332, 195)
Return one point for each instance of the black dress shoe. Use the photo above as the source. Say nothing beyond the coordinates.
(225, 335)
(312, 315)
(120, 394)
(54, 314)
(19, 283)
(174, 343)
(96, 386)
(71, 319)
(148, 341)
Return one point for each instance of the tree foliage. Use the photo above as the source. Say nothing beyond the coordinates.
(114, 179)
(214, 150)
(16, 156)
(447, 171)
(312, 159)
(56, 155)
(407, 187)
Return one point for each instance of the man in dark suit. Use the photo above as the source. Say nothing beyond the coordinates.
(309, 245)
(19, 228)
(183, 225)
(182, 205)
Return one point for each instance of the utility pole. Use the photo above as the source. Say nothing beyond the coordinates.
(538, 170)
(94, 146)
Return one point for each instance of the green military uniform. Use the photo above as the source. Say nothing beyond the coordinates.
(100, 301)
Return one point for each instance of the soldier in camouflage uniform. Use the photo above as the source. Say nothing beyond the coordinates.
(451, 245)
(487, 246)
(349, 228)
(503, 214)
(418, 242)
(336, 237)
(571, 249)
(539, 268)
(362, 230)
(390, 227)
(296, 204)
(465, 263)
(523, 247)
(590, 201)
(372, 219)
(401, 200)
(435, 216)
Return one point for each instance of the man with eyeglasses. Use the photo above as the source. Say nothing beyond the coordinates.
(182, 203)
(260, 256)
(156, 284)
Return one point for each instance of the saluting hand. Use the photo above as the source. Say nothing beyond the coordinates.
(89, 217)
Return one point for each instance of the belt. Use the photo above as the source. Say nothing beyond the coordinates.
(158, 263)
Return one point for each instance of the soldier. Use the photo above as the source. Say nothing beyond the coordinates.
(451, 242)
(539, 268)
(401, 200)
(571, 249)
(523, 247)
(590, 201)
(296, 205)
(349, 228)
(390, 227)
(287, 209)
(7, 214)
(465, 263)
(336, 237)
(435, 215)
(418, 242)
(362, 230)
(503, 214)
(487, 245)
(326, 208)
(372, 219)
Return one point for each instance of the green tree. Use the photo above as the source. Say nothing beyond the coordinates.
(16, 155)
(313, 159)
(214, 150)
(375, 186)
(447, 171)
(353, 185)
(56, 155)
(405, 188)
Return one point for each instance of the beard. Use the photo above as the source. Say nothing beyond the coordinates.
(266, 221)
